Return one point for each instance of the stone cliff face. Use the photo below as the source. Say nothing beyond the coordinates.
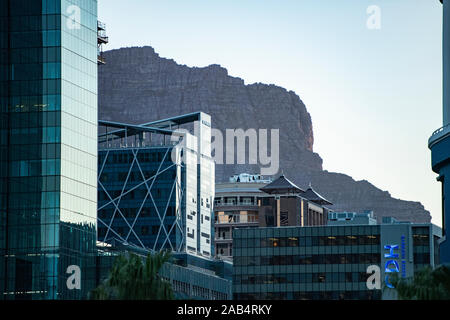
(137, 86)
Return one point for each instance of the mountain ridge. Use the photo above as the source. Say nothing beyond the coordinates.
(137, 85)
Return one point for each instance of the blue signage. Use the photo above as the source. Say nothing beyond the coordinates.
(393, 259)
(391, 265)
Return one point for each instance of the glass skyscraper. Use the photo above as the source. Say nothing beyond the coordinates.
(48, 147)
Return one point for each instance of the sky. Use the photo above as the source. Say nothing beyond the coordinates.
(370, 78)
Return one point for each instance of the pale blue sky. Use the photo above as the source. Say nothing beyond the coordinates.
(375, 96)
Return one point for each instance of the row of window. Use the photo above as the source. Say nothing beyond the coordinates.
(30, 39)
(131, 212)
(35, 119)
(25, 72)
(355, 230)
(274, 242)
(143, 157)
(36, 55)
(321, 295)
(421, 240)
(137, 194)
(35, 23)
(137, 176)
(143, 231)
(344, 258)
(35, 87)
(323, 277)
(34, 103)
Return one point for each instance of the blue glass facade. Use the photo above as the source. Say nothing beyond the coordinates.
(140, 198)
(48, 138)
(156, 195)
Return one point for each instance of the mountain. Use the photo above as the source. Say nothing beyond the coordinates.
(136, 85)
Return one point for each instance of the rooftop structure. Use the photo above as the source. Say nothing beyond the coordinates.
(245, 177)
(282, 185)
(347, 218)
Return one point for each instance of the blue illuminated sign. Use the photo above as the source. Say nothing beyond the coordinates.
(391, 265)
(392, 262)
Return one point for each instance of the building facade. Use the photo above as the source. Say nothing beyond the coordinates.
(236, 205)
(288, 205)
(140, 198)
(329, 262)
(439, 142)
(48, 146)
(157, 194)
(252, 201)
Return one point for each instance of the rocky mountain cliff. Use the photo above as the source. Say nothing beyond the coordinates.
(138, 86)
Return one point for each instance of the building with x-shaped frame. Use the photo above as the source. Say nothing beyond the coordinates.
(156, 184)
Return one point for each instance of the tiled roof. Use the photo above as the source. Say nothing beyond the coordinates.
(281, 186)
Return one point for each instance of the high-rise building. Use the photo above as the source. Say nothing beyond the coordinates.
(439, 142)
(154, 193)
(48, 147)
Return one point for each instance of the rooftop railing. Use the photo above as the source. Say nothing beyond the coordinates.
(438, 135)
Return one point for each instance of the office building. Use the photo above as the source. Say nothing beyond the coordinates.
(252, 201)
(153, 192)
(439, 142)
(235, 205)
(48, 146)
(329, 262)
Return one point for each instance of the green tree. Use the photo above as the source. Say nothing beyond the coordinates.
(131, 278)
(427, 284)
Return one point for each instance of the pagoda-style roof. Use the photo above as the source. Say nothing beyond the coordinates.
(281, 186)
(313, 196)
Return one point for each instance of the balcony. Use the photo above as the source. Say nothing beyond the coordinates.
(438, 135)
(235, 204)
(223, 239)
(236, 219)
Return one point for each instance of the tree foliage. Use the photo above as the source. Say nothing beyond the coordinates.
(131, 278)
(427, 284)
